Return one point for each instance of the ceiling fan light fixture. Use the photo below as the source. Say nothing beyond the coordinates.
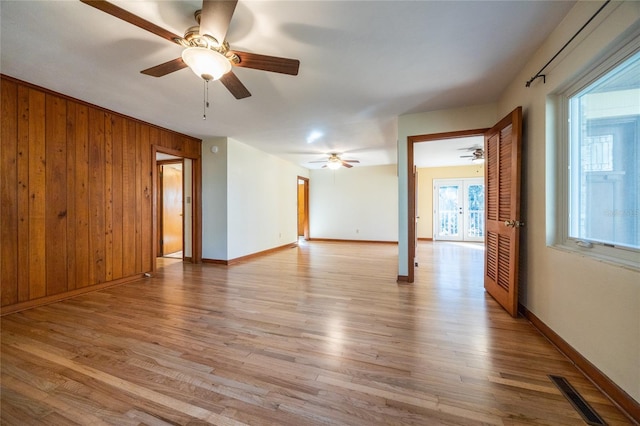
(334, 165)
(206, 63)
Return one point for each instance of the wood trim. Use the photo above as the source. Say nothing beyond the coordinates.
(196, 210)
(262, 253)
(411, 202)
(403, 279)
(158, 215)
(196, 200)
(171, 161)
(155, 220)
(250, 256)
(425, 239)
(338, 240)
(215, 261)
(447, 135)
(10, 309)
(617, 395)
(88, 104)
(411, 186)
(175, 152)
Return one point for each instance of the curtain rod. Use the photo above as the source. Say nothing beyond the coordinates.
(538, 74)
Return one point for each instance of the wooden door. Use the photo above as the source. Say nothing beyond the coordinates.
(502, 183)
(171, 209)
(303, 207)
(301, 210)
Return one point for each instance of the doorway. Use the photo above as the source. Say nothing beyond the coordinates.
(191, 202)
(502, 150)
(458, 213)
(303, 208)
(412, 184)
(170, 209)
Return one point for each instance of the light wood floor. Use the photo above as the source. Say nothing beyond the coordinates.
(319, 334)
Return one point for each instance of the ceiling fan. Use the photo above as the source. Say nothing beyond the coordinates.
(477, 154)
(335, 162)
(206, 52)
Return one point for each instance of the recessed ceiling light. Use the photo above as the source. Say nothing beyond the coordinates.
(314, 136)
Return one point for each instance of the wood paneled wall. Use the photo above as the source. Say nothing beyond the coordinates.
(76, 193)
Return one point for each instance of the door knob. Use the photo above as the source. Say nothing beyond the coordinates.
(513, 223)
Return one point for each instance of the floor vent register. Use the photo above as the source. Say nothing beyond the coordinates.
(582, 407)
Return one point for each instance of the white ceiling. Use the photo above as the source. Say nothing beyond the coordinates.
(363, 63)
(446, 152)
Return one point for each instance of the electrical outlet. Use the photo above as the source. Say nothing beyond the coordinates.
(357, 231)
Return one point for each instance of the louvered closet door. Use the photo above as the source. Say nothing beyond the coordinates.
(502, 183)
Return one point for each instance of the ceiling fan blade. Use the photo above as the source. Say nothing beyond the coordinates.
(267, 63)
(166, 68)
(215, 17)
(129, 17)
(234, 85)
(351, 161)
(347, 165)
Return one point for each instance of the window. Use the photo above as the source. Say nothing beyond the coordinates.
(601, 171)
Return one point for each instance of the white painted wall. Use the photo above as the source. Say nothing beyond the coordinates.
(474, 117)
(354, 204)
(262, 200)
(249, 200)
(214, 199)
(593, 305)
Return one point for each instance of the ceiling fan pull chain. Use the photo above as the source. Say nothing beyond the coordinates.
(205, 101)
